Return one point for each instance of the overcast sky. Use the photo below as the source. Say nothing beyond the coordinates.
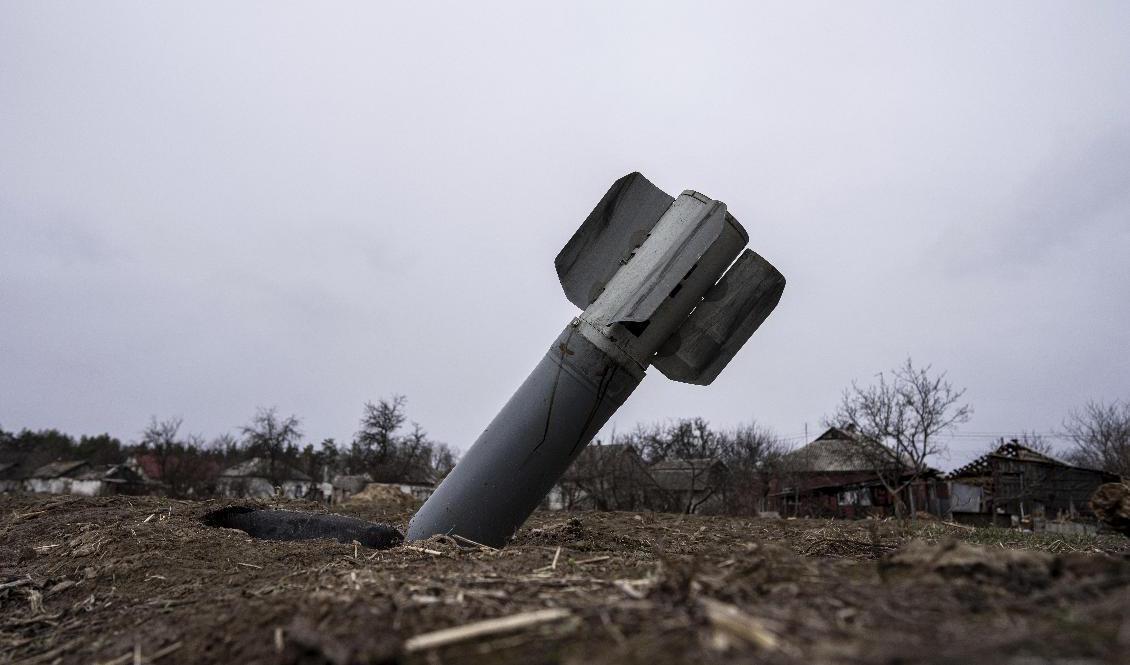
(206, 208)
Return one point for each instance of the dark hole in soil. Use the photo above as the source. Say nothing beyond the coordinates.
(293, 525)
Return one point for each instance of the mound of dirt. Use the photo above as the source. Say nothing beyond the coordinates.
(144, 579)
(560, 533)
(954, 559)
(1111, 504)
(384, 497)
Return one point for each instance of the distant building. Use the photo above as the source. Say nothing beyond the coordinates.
(12, 477)
(79, 477)
(258, 477)
(60, 478)
(604, 477)
(419, 488)
(1015, 484)
(345, 486)
(179, 475)
(420, 491)
(146, 465)
(834, 477)
(693, 485)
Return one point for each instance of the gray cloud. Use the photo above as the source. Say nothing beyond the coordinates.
(1080, 194)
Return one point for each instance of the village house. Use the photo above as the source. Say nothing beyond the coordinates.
(693, 485)
(1016, 485)
(79, 477)
(615, 477)
(830, 478)
(176, 475)
(145, 465)
(12, 477)
(419, 487)
(258, 477)
(56, 478)
(345, 486)
(604, 477)
(416, 479)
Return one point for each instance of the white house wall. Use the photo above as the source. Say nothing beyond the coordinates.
(64, 486)
(86, 487)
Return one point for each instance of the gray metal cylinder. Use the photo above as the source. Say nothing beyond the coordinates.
(503, 477)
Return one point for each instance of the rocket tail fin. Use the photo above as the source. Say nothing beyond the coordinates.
(730, 312)
(605, 240)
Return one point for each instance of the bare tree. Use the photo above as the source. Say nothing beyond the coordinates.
(753, 454)
(380, 449)
(1101, 436)
(443, 460)
(274, 438)
(161, 438)
(412, 455)
(226, 446)
(182, 463)
(374, 445)
(898, 421)
(609, 477)
(329, 459)
(684, 456)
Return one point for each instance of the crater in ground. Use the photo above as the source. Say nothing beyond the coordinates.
(297, 525)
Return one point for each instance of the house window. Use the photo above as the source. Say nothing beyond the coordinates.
(855, 497)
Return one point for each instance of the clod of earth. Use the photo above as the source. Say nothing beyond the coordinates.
(293, 525)
(1111, 504)
(93, 579)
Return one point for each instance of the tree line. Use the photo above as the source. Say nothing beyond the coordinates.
(898, 425)
(387, 447)
(901, 419)
(682, 466)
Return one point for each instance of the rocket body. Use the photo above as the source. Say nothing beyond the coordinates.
(556, 411)
(650, 273)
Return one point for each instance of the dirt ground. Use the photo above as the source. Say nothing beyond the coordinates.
(139, 579)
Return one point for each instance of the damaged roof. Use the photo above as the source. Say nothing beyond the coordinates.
(260, 467)
(983, 465)
(109, 473)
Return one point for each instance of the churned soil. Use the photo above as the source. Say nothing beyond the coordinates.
(142, 579)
